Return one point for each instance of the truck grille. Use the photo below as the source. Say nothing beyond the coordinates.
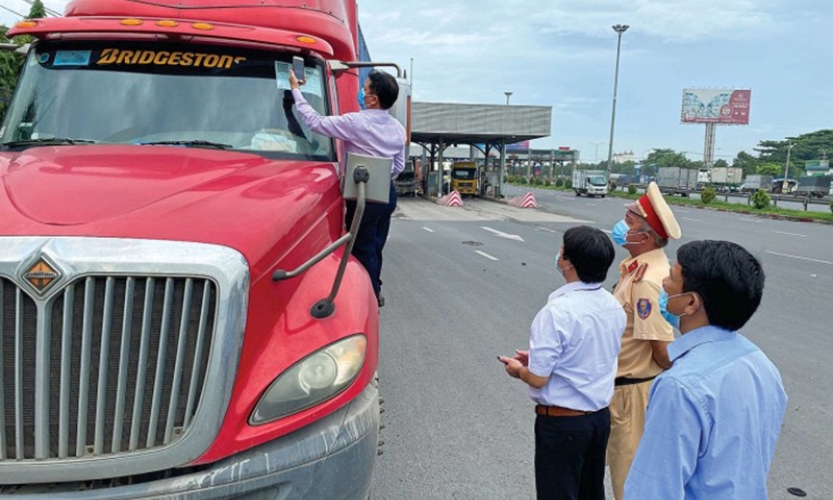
(127, 357)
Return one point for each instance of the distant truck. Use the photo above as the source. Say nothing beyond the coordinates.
(756, 182)
(677, 180)
(406, 183)
(590, 182)
(726, 178)
(817, 186)
(464, 177)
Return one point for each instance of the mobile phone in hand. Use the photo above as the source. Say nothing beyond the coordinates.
(298, 69)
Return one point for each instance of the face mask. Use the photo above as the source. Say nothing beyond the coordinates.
(672, 319)
(620, 234)
(361, 98)
(557, 258)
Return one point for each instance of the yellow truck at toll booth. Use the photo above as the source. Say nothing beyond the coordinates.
(464, 177)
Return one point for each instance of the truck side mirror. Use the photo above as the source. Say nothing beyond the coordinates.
(13, 47)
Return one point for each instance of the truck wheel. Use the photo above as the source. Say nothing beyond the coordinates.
(603, 196)
(578, 194)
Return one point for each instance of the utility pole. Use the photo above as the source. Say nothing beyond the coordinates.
(508, 95)
(619, 29)
(786, 185)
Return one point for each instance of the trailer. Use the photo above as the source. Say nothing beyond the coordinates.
(755, 182)
(677, 180)
(817, 186)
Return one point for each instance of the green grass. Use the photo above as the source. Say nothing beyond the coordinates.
(716, 205)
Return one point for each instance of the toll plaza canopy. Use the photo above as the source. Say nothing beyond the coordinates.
(432, 123)
(437, 126)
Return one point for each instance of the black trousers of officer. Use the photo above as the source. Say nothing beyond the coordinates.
(570, 456)
(372, 236)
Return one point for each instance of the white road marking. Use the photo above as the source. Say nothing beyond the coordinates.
(790, 234)
(428, 229)
(548, 230)
(801, 258)
(484, 254)
(502, 234)
(691, 219)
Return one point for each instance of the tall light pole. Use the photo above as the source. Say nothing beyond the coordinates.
(508, 95)
(786, 185)
(619, 29)
(597, 144)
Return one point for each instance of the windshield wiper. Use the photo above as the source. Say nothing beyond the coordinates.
(49, 141)
(190, 144)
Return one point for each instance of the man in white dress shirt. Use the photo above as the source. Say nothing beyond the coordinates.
(574, 342)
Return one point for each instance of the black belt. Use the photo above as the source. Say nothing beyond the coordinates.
(630, 381)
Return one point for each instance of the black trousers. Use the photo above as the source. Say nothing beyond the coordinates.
(373, 233)
(570, 456)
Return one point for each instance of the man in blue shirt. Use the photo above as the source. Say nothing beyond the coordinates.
(574, 342)
(714, 416)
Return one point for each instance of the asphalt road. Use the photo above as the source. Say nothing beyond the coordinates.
(462, 286)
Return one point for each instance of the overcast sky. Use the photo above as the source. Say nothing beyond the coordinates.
(562, 54)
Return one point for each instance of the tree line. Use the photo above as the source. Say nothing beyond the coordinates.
(768, 158)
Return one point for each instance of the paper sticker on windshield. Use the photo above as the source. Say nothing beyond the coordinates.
(167, 58)
(312, 76)
(72, 58)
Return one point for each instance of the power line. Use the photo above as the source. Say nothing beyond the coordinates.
(10, 10)
(45, 8)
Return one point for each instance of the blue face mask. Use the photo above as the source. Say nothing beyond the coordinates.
(619, 233)
(557, 258)
(361, 98)
(672, 319)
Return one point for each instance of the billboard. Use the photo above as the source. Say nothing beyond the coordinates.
(723, 106)
(518, 146)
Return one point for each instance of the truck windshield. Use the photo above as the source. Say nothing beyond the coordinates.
(464, 174)
(175, 94)
(597, 180)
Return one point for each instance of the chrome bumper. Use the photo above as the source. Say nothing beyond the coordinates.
(332, 459)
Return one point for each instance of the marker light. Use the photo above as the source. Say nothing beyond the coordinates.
(131, 22)
(203, 26)
(26, 24)
(306, 39)
(167, 23)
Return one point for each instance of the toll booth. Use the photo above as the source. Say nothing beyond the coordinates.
(486, 128)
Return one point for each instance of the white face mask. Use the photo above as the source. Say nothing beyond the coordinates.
(557, 258)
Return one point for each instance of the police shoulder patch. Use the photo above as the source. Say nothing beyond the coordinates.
(643, 308)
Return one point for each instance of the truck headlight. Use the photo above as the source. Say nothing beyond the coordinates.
(316, 378)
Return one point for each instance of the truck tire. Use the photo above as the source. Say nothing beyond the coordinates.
(577, 193)
(603, 196)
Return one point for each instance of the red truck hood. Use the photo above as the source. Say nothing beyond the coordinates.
(160, 192)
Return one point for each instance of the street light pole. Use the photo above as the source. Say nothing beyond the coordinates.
(786, 185)
(597, 144)
(508, 95)
(619, 29)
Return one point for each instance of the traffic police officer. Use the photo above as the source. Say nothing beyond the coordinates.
(645, 231)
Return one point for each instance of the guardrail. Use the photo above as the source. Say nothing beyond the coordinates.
(804, 200)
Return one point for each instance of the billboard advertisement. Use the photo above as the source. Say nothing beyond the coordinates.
(518, 146)
(723, 106)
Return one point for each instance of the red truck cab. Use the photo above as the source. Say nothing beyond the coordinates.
(156, 176)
